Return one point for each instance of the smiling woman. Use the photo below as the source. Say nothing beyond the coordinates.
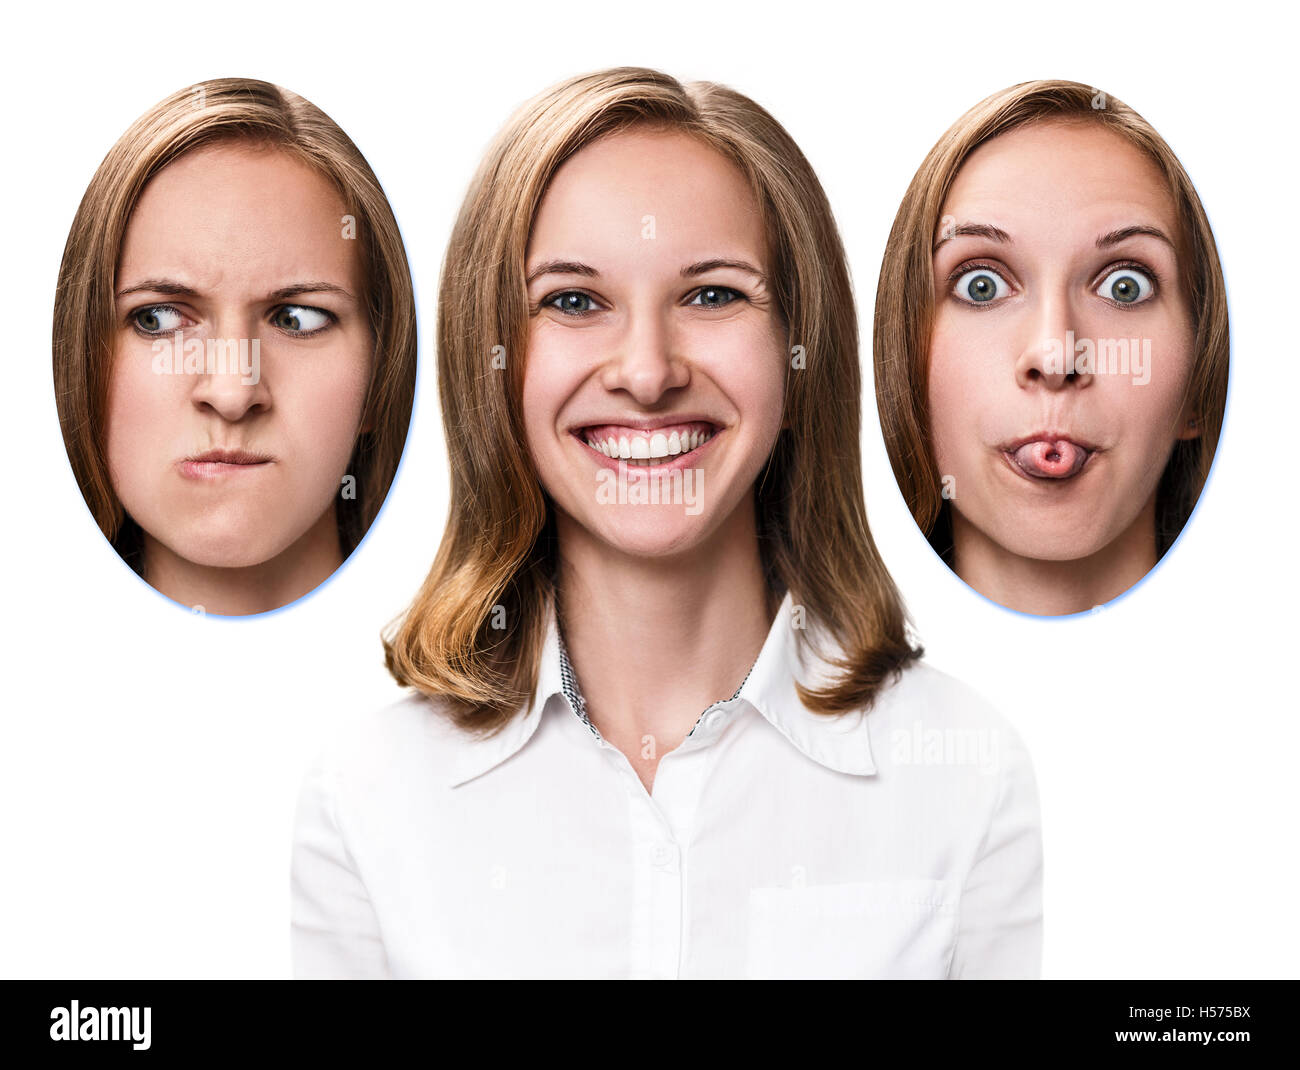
(646, 284)
(1051, 347)
(234, 346)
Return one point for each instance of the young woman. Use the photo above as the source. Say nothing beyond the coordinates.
(668, 720)
(1051, 347)
(234, 346)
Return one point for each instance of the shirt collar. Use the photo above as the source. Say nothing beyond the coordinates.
(573, 693)
(838, 742)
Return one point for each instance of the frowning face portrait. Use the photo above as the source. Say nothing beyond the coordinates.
(237, 466)
(237, 404)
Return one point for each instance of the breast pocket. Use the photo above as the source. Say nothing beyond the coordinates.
(869, 929)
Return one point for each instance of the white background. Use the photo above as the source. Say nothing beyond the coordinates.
(150, 759)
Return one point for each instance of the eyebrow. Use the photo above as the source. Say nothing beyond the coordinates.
(977, 230)
(703, 267)
(1117, 236)
(700, 267)
(171, 288)
(561, 267)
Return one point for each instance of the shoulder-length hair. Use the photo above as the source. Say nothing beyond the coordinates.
(224, 110)
(905, 302)
(498, 551)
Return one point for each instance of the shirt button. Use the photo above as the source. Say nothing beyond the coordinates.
(662, 854)
(712, 719)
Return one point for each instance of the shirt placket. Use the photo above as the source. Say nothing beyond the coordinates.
(659, 826)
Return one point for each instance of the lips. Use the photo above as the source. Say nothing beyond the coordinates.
(230, 457)
(216, 463)
(1051, 457)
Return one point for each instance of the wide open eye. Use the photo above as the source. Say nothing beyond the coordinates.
(980, 286)
(157, 319)
(301, 319)
(1126, 286)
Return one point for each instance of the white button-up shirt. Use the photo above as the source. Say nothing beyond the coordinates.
(900, 842)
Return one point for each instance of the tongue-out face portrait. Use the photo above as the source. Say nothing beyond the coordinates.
(1072, 380)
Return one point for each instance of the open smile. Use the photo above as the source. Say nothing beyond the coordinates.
(663, 446)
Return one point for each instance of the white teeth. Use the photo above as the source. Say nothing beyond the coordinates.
(657, 447)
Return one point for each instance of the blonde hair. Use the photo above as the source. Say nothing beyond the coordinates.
(227, 109)
(498, 548)
(905, 301)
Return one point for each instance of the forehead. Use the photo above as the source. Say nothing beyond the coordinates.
(602, 195)
(1051, 176)
(240, 216)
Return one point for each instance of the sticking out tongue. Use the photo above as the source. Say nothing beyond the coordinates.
(1050, 460)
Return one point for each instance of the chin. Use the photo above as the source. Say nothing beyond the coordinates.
(1054, 542)
(225, 547)
(660, 537)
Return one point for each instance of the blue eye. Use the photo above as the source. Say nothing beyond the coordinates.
(716, 296)
(572, 302)
(156, 319)
(301, 319)
(1126, 286)
(980, 286)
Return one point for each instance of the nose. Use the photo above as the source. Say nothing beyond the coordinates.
(1048, 359)
(232, 382)
(646, 363)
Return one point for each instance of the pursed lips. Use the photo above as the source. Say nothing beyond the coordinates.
(215, 463)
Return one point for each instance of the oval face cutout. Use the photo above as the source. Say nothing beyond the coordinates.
(235, 455)
(1053, 425)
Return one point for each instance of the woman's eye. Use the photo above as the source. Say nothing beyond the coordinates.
(301, 319)
(157, 319)
(979, 286)
(715, 296)
(573, 302)
(1126, 286)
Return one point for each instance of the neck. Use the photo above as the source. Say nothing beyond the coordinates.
(655, 641)
(241, 590)
(1055, 588)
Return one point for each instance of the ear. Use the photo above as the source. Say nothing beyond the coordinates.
(1190, 428)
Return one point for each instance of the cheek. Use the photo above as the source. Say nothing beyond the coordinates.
(956, 393)
(1152, 398)
(143, 415)
(548, 381)
(749, 363)
(319, 411)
